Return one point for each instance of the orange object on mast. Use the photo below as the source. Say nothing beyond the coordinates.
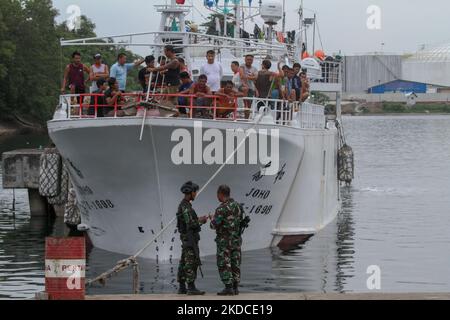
(305, 55)
(319, 54)
(280, 37)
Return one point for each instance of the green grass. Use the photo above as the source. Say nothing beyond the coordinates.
(394, 107)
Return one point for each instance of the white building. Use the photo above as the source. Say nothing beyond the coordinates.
(430, 65)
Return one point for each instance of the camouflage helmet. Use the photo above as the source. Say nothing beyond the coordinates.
(189, 187)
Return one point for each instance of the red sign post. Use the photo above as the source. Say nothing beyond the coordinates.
(65, 267)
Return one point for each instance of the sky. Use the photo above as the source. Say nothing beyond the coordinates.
(399, 26)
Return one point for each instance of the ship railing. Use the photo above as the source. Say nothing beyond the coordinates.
(274, 111)
(184, 40)
(311, 116)
(213, 107)
(329, 72)
(304, 115)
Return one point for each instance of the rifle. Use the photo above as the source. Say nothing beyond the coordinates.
(245, 221)
(193, 243)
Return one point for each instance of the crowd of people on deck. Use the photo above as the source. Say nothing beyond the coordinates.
(169, 75)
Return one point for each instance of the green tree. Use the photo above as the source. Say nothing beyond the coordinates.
(7, 48)
(28, 84)
(32, 60)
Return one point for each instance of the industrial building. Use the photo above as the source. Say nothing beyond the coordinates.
(366, 71)
(427, 71)
(429, 66)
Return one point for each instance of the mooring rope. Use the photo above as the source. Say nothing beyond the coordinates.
(132, 260)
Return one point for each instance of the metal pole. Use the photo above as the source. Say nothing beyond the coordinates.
(237, 16)
(14, 204)
(338, 106)
(284, 16)
(225, 24)
(314, 34)
(243, 15)
(301, 27)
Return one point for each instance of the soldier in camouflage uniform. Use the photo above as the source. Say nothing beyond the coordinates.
(189, 226)
(227, 223)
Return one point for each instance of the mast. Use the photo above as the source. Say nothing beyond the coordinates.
(301, 22)
(177, 13)
(314, 34)
(299, 36)
(237, 15)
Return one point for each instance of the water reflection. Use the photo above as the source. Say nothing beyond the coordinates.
(324, 262)
(22, 255)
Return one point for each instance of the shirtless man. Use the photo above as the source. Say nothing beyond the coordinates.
(227, 100)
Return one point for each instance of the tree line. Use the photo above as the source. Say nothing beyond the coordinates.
(32, 60)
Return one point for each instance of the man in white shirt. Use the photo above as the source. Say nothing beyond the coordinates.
(213, 70)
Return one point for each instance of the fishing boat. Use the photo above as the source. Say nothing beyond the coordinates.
(279, 157)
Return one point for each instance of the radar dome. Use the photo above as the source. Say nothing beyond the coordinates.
(271, 12)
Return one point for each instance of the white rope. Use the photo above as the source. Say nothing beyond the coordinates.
(143, 124)
(149, 86)
(141, 136)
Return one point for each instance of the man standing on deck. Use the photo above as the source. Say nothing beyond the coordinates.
(213, 70)
(227, 223)
(172, 70)
(189, 227)
(120, 69)
(99, 70)
(145, 73)
(249, 75)
(74, 75)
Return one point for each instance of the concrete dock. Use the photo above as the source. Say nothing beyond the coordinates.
(280, 296)
(20, 170)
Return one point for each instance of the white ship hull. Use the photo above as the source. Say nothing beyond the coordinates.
(128, 190)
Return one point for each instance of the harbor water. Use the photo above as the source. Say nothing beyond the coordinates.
(395, 219)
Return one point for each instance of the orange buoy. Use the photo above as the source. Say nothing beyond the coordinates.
(305, 55)
(319, 54)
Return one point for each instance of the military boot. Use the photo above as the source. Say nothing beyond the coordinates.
(193, 291)
(228, 291)
(236, 288)
(182, 289)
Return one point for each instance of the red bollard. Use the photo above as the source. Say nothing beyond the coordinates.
(65, 267)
